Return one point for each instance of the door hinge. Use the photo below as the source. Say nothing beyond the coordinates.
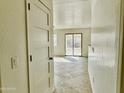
(49, 82)
(31, 58)
(29, 6)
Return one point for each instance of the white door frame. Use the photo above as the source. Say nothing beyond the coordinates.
(120, 47)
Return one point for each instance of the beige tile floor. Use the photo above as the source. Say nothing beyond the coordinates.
(71, 75)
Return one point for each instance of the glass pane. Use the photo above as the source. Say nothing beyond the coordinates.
(77, 44)
(55, 40)
(69, 45)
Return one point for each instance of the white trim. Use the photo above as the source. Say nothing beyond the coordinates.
(120, 48)
(71, 27)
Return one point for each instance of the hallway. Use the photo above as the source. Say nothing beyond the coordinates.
(33, 32)
(71, 75)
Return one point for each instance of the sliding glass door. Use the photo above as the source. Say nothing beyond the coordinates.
(77, 44)
(69, 44)
(73, 44)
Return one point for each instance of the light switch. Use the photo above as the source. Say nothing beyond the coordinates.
(14, 62)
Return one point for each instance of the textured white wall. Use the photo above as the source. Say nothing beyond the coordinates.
(104, 39)
(60, 48)
(13, 43)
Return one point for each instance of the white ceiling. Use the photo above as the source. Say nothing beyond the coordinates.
(72, 13)
(67, 1)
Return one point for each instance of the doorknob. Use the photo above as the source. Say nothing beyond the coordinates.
(50, 58)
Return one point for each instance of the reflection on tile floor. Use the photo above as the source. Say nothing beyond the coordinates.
(71, 75)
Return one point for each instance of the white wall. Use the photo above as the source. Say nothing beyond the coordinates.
(103, 51)
(60, 48)
(13, 44)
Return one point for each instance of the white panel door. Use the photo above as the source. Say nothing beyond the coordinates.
(38, 16)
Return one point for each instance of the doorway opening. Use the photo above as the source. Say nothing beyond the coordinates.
(70, 67)
(73, 44)
(71, 39)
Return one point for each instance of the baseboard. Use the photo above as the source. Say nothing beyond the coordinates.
(85, 56)
(65, 55)
(59, 55)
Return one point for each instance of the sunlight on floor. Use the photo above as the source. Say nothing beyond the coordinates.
(61, 60)
(71, 75)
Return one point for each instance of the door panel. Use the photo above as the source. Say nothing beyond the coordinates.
(69, 44)
(38, 47)
(47, 3)
(39, 17)
(77, 44)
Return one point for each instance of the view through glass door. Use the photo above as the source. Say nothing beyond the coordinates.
(73, 44)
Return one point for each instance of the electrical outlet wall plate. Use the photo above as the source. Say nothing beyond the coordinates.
(14, 62)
